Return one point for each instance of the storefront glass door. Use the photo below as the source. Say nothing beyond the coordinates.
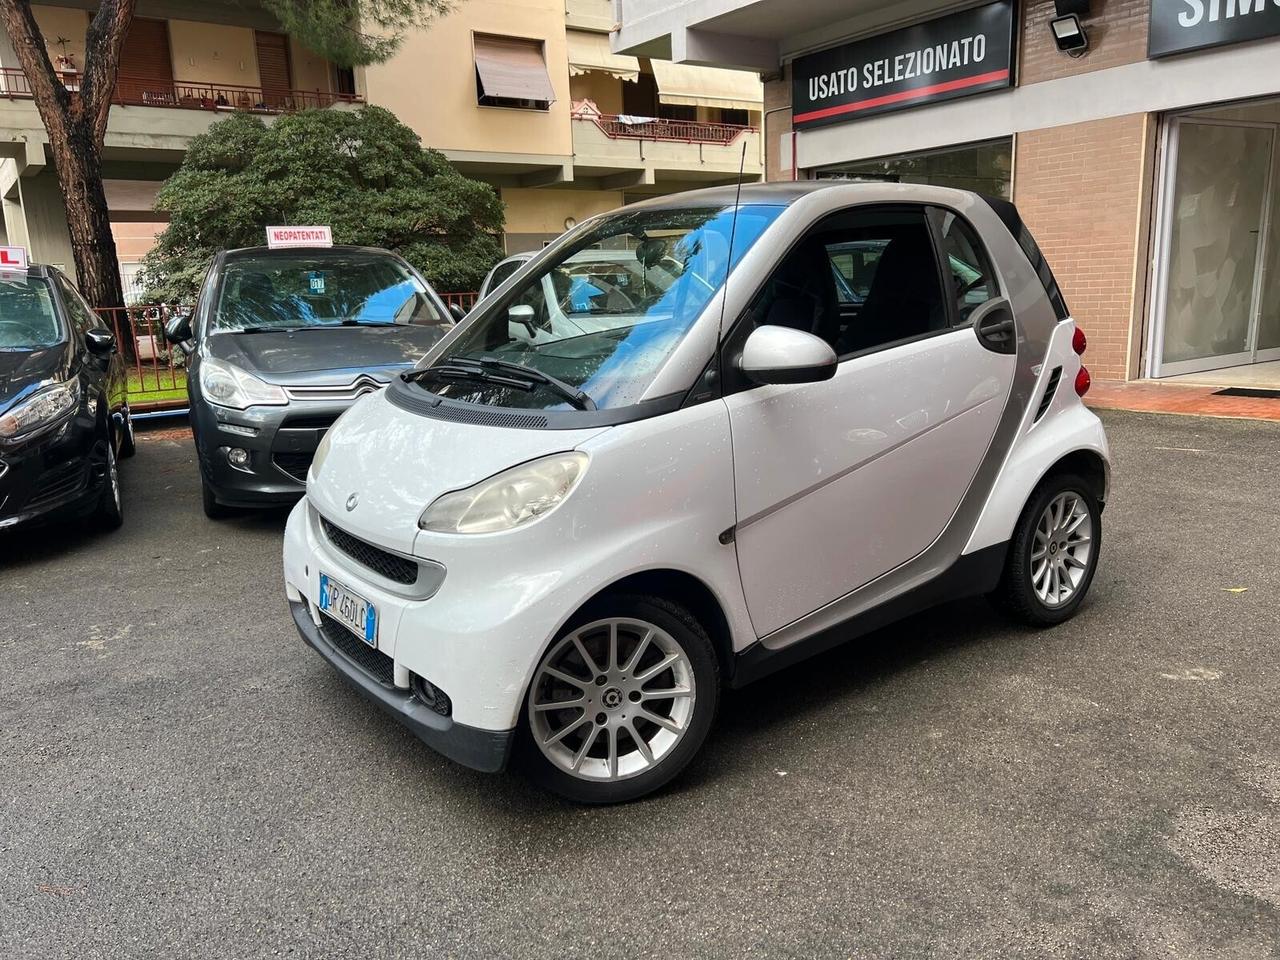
(1221, 305)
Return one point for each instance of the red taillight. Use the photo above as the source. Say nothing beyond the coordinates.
(1079, 342)
(1083, 381)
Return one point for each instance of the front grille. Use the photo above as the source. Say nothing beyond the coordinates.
(295, 465)
(380, 561)
(1049, 391)
(309, 421)
(57, 483)
(336, 392)
(373, 662)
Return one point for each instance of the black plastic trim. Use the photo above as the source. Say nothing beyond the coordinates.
(483, 750)
(973, 574)
(409, 396)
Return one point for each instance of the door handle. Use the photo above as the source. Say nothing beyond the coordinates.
(993, 324)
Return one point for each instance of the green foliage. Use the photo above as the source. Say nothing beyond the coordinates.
(363, 173)
(354, 32)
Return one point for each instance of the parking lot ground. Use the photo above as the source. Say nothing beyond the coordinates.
(181, 777)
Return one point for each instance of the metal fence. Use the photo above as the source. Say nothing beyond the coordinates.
(187, 95)
(677, 131)
(157, 377)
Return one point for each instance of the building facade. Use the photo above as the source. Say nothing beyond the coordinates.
(527, 95)
(1139, 138)
(523, 94)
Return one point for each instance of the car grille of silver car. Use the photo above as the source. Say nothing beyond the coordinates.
(382, 562)
(335, 392)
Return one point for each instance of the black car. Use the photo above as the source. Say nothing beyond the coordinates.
(64, 417)
(281, 342)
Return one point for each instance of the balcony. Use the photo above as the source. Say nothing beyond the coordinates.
(190, 95)
(630, 152)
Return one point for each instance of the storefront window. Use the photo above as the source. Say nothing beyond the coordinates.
(981, 167)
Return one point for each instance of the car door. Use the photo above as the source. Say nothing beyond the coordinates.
(839, 482)
(106, 372)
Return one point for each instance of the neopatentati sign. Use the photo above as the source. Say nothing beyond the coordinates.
(953, 56)
(1180, 25)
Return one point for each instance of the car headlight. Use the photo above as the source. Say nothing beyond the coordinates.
(228, 386)
(509, 499)
(42, 409)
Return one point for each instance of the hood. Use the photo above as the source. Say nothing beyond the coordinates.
(301, 357)
(397, 462)
(22, 369)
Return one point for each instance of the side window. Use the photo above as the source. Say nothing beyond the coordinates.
(504, 270)
(966, 265)
(860, 280)
(79, 313)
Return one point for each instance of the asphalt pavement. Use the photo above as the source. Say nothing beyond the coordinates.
(181, 777)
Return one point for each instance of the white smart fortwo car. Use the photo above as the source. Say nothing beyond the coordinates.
(610, 492)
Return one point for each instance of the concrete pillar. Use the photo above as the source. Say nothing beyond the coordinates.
(38, 217)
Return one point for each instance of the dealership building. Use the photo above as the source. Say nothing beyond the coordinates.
(1139, 138)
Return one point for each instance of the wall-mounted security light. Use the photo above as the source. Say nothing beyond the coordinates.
(1068, 31)
(1069, 35)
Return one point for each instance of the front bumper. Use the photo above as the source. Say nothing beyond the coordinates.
(280, 441)
(485, 750)
(57, 474)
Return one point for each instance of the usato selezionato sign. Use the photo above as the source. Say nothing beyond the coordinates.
(299, 237)
(954, 56)
(1179, 25)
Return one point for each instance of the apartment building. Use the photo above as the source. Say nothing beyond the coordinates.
(524, 94)
(1140, 138)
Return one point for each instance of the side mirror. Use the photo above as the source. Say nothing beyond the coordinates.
(101, 343)
(178, 329)
(522, 315)
(785, 355)
(456, 310)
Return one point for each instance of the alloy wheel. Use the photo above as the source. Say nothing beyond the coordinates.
(1062, 549)
(113, 474)
(611, 699)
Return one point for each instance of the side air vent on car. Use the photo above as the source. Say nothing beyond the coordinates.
(1049, 391)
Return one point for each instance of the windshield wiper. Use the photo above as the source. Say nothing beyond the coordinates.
(505, 373)
(353, 322)
(578, 398)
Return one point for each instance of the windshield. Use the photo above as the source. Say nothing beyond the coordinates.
(320, 289)
(605, 314)
(27, 317)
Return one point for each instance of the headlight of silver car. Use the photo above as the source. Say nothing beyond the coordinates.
(508, 500)
(42, 409)
(228, 386)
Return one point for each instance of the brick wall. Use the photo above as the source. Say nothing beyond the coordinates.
(777, 93)
(1117, 31)
(1082, 190)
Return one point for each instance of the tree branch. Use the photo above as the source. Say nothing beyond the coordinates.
(102, 44)
(51, 97)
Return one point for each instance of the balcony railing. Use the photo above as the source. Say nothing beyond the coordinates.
(676, 131)
(188, 95)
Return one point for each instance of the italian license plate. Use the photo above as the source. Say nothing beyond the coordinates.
(350, 609)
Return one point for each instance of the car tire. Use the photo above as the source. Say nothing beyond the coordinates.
(128, 443)
(109, 514)
(212, 508)
(592, 752)
(1053, 554)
